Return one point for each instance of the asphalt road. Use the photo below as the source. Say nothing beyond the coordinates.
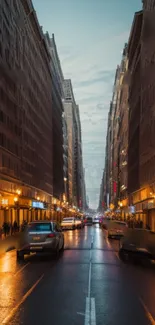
(87, 285)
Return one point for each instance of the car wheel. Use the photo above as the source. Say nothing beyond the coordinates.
(124, 256)
(20, 256)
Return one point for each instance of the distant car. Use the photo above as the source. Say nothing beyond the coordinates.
(68, 223)
(41, 236)
(116, 229)
(89, 221)
(96, 220)
(137, 244)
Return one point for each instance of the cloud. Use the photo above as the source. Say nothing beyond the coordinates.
(89, 99)
(101, 76)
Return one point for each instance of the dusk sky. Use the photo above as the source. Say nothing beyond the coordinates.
(90, 35)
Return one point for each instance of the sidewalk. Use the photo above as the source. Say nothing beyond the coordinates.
(9, 243)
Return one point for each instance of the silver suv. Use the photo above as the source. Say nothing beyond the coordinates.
(41, 236)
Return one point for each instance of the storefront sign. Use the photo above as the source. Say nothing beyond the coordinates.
(132, 209)
(38, 205)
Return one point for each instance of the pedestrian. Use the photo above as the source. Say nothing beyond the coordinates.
(5, 228)
(15, 226)
(8, 228)
(11, 227)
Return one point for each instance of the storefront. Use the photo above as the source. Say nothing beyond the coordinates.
(22, 203)
(13, 208)
(144, 202)
(39, 210)
(6, 209)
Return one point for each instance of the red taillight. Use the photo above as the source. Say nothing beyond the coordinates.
(51, 236)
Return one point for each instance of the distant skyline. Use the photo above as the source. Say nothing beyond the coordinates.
(90, 36)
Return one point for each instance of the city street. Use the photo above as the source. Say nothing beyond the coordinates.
(87, 285)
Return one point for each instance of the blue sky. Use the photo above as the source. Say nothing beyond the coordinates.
(90, 35)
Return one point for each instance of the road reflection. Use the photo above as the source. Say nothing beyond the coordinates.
(17, 280)
(7, 264)
(77, 238)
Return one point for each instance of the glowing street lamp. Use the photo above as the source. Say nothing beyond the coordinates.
(18, 191)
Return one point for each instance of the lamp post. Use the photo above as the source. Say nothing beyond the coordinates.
(65, 184)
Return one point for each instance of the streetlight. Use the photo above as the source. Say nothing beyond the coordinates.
(65, 183)
(18, 191)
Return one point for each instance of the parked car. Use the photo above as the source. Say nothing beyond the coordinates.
(101, 219)
(116, 229)
(89, 221)
(137, 244)
(68, 223)
(79, 224)
(104, 222)
(41, 236)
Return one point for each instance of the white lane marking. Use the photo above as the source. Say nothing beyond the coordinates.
(22, 268)
(7, 319)
(87, 312)
(93, 312)
(148, 314)
(90, 310)
(89, 277)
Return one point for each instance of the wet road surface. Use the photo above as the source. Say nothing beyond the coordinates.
(87, 285)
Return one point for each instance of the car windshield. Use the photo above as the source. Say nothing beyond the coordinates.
(39, 227)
